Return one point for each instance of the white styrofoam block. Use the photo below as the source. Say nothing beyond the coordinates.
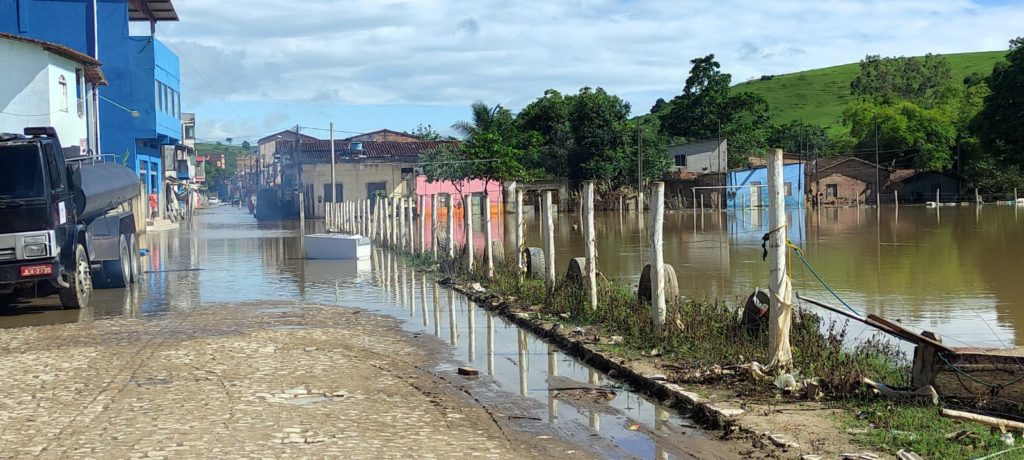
(336, 246)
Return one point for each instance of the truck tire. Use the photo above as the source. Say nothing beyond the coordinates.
(77, 294)
(136, 263)
(117, 273)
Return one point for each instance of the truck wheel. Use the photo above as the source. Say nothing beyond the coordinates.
(118, 273)
(136, 263)
(77, 294)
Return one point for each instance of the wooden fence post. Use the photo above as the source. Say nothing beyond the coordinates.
(658, 256)
(410, 236)
(589, 236)
(450, 225)
(520, 234)
(488, 236)
(549, 241)
(781, 314)
(302, 214)
(421, 223)
(467, 218)
(401, 223)
(433, 226)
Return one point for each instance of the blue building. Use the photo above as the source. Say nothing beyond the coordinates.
(748, 188)
(140, 110)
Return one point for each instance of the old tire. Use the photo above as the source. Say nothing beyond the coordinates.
(116, 273)
(77, 294)
(575, 273)
(136, 262)
(534, 260)
(671, 284)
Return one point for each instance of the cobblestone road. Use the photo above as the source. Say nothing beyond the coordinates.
(232, 381)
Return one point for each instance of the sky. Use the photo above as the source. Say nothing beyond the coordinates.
(253, 67)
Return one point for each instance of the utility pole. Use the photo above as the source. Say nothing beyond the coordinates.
(334, 179)
(878, 188)
(639, 172)
(781, 309)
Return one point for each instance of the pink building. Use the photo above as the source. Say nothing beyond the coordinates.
(494, 190)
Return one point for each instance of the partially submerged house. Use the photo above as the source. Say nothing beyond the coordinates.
(845, 180)
(748, 187)
(696, 158)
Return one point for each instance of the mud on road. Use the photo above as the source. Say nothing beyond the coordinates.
(248, 380)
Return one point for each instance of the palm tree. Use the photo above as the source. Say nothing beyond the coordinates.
(483, 117)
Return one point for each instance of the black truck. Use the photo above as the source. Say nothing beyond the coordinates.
(67, 221)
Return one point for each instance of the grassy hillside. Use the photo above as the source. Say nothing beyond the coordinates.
(820, 95)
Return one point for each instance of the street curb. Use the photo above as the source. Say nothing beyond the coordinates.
(674, 396)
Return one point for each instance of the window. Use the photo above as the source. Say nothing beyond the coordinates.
(831, 190)
(156, 93)
(63, 93)
(339, 192)
(190, 132)
(407, 170)
(53, 169)
(681, 160)
(789, 189)
(79, 91)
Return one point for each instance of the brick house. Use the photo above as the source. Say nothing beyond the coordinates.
(845, 180)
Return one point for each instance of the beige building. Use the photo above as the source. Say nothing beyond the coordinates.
(363, 169)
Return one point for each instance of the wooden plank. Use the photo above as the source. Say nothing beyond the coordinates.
(1000, 423)
(909, 335)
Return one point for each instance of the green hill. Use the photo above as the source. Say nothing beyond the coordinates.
(819, 96)
(230, 152)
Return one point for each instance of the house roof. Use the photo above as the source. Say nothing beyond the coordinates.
(319, 151)
(901, 175)
(826, 163)
(383, 131)
(695, 148)
(93, 73)
(151, 10)
(285, 135)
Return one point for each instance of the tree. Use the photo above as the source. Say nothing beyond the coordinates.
(246, 146)
(703, 108)
(493, 150)
(228, 139)
(929, 135)
(426, 132)
(891, 79)
(1000, 123)
(659, 105)
(800, 137)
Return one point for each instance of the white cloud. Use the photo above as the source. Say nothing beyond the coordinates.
(455, 52)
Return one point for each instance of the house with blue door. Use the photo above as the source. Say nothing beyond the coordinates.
(748, 188)
(140, 109)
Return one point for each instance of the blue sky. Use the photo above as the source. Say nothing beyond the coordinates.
(251, 67)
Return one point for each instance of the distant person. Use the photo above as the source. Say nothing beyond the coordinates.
(153, 204)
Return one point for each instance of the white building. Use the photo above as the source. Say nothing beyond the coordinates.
(46, 84)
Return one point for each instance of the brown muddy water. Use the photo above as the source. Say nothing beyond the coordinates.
(227, 257)
(957, 270)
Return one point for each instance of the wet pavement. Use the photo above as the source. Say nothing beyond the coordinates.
(229, 263)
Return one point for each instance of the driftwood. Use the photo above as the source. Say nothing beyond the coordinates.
(924, 396)
(1000, 423)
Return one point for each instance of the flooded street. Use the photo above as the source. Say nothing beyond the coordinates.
(228, 259)
(952, 270)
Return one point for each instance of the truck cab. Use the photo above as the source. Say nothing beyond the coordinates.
(47, 245)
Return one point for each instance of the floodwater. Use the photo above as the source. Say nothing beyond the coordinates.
(230, 258)
(953, 270)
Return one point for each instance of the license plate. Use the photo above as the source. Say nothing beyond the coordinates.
(36, 270)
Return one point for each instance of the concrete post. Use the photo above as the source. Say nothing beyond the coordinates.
(589, 237)
(658, 256)
(488, 236)
(467, 218)
(520, 233)
(302, 214)
(400, 210)
(780, 352)
(421, 212)
(410, 225)
(433, 226)
(549, 241)
(450, 225)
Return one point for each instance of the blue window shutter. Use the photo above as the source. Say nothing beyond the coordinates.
(23, 15)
